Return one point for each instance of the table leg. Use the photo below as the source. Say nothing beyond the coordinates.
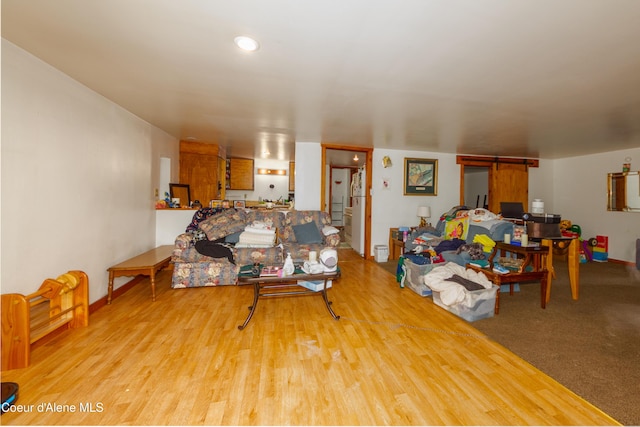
(551, 272)
(574, 267)
(544, 287)
(327, 302)
(110, 288)
(152, 278)
(252, 308)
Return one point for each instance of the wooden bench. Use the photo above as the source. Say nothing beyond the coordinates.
(148, 264)
(63, 302)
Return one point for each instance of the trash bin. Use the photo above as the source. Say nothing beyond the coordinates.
(381, 253)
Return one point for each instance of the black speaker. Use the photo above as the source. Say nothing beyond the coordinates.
(542, 218)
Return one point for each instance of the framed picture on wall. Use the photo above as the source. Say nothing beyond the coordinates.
(420, 177)
(239, 204)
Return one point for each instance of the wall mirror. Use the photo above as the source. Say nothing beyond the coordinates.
(181, 191)
(623, 191)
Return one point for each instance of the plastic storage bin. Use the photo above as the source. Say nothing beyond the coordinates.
(414, 274)
(381, 253)
(477, 305)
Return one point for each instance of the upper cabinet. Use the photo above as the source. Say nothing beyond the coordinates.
(199, 168)
(240, 174)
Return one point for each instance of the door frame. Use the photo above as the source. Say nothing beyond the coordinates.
(488, 162)
(369, 172)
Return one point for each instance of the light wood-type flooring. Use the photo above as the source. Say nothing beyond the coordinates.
(394, 358)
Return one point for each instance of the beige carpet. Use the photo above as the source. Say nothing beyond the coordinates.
(591, 345)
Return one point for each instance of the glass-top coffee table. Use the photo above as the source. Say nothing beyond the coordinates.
(269, 286)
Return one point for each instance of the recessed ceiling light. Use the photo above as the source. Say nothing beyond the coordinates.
(246, 43)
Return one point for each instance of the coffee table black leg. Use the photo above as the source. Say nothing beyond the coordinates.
(327, 302)
(256, 294)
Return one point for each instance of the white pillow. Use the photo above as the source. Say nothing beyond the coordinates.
(329, 230)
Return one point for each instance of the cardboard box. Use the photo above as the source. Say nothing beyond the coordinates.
(314, 285)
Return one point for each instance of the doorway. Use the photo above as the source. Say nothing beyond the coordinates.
(507, 179)
(358, 161)
(476, 187)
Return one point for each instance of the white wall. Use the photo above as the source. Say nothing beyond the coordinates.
(541, 186)
(476, 186)
(580, 195)
(78, 178)
(170, 223)
(391, 208)
(308, 175)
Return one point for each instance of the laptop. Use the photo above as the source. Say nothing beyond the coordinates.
(512, 210)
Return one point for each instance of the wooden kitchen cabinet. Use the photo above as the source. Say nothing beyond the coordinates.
(241, 174)
(199, 168)
(292, 176)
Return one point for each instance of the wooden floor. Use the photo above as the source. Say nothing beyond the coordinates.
(394, 358)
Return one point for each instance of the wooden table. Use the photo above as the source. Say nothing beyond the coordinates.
(533, 257)
(573, 262)
(148, 264)
(396, 246)
(286, 286)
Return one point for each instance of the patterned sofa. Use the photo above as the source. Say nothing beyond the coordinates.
(192, 269)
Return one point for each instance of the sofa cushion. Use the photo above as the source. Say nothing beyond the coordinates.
(223, 224)
(300, 252)
(287, 234)
(233, 238)
(215, 272)
(201, 215)
(307, 233)
(266, 256)
(271, 218)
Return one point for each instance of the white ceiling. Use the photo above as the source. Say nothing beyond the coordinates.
(531, 78)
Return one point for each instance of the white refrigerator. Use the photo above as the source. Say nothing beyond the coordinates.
(358, 200)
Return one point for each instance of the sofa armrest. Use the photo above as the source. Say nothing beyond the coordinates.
(181, 246)
(332, 240)
(184, 241)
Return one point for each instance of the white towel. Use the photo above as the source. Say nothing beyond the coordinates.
(259, 227)
(253, 238)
